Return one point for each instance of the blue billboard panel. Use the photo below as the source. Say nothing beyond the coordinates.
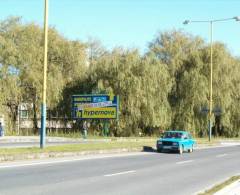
(100, 106)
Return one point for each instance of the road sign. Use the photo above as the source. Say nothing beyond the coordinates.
(217, 111)
(204, 110)
(99, 106)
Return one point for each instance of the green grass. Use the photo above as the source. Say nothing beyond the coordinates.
(220, 186)
(215, 141)
(206, 141)
(138, 144)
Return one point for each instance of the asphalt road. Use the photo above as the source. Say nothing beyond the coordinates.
(144, 173)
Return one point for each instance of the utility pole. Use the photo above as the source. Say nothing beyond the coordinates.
(43, 106)
(211, 82)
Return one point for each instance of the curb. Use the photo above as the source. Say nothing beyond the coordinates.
(225, 190)
(233, 188)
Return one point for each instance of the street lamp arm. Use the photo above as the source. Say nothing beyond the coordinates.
(225, 19)
(236, 18)
(200, 21)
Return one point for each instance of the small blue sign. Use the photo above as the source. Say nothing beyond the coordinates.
(99, 99)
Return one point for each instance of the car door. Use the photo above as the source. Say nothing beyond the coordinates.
(191, 142)
(185, 141)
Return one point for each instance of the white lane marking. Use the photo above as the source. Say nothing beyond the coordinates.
(120, 173)
(37, 163)
(221, 155)
(184, 162)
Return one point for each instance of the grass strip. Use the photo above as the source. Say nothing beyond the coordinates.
(78, 147)
(220, 186)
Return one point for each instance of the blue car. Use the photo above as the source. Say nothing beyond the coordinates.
(178, 141)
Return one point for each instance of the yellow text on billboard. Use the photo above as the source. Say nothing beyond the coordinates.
(105, 112)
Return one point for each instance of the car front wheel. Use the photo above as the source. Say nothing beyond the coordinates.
(191, 149)
(180, 149)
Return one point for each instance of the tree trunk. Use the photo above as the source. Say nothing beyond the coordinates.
(218, 125)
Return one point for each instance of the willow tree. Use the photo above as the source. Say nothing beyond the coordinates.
(66, 62)
(10, 93)
(188, 59)
(142, 83)
(180, 51)
(226, 82)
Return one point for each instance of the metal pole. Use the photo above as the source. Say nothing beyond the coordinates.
(43, 106)
(18, 117)
(211, 82)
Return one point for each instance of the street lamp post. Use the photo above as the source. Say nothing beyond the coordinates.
(236, 18)
(43, 106)
(211, 83)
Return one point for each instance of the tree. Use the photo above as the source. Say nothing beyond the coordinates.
(188, 59)
(142, 84)
(10, 93)
(24, 51)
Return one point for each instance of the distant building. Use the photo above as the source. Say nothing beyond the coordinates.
(25, 119)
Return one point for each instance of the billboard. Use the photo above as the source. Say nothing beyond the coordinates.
(100, 106)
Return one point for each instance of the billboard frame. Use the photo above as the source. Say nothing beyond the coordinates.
(95, 106)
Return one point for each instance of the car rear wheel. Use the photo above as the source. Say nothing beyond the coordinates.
(181, 149)
(159, 150)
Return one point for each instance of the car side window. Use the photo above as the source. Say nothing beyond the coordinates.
(189, 136)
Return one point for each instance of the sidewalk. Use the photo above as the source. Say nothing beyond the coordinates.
(232, 189)
(22, 139)
(10, 139)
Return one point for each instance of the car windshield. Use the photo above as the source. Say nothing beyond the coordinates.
(172, 135)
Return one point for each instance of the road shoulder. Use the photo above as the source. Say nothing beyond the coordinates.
(231, 186)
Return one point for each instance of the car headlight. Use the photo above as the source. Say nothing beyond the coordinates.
(175, 143)
(159, 142)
